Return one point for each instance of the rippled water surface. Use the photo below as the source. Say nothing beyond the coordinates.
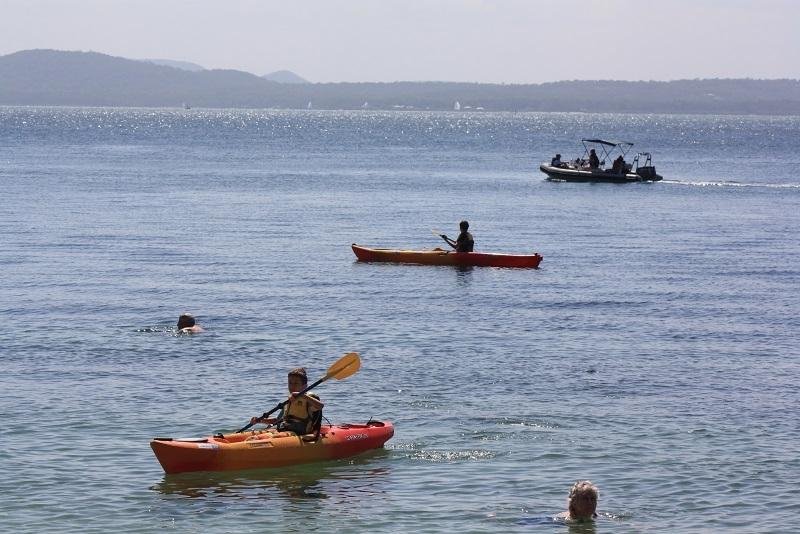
(654, 352)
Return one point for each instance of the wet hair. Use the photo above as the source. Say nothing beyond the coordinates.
(582, 490)
(301, 372)
(186, 320)
(464, 225)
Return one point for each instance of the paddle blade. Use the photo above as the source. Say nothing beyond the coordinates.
(347, 365)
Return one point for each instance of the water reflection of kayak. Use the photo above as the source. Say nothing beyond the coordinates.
(313, 480)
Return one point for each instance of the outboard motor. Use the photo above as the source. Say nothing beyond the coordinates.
(648, 173)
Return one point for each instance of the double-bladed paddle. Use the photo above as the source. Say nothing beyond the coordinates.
(345, 366)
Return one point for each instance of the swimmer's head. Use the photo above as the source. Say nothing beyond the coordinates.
(582, 501)
(186, 320)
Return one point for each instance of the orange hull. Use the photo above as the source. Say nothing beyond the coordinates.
(268, 448)
(447, 257)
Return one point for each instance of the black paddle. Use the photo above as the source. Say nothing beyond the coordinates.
(446, 239)
(345, 366)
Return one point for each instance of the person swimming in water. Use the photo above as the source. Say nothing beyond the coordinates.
(581, 503)
(188, 325)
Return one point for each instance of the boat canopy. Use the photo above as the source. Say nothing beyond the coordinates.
(622, 146)
(607, 143)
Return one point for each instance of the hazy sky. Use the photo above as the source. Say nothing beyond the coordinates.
(501, 41)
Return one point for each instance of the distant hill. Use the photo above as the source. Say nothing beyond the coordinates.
(50, 77)
(183, 65)
(57, 78)
(284, 76)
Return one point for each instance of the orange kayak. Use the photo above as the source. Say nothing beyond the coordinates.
(447, 257)
(268, 448)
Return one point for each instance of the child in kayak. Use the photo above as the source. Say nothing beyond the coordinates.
(302, 414)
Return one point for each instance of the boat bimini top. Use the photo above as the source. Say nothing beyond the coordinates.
(607, 147)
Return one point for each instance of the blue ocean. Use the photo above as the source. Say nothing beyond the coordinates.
(654, 352)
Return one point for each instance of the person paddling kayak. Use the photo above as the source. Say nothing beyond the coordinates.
(302, 414)
(464, 242)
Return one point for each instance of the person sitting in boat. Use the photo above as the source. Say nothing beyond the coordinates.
(582, 502)
(464, 242)
(619, 165)
(556, 161)
(302, 414)
(594, 161)
(187, 324)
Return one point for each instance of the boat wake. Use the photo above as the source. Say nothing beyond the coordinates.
(718, 183)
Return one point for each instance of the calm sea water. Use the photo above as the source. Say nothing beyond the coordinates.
(654, 352)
